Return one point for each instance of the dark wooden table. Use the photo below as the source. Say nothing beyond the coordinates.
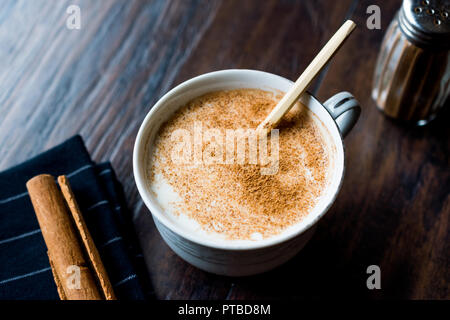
(101, 80)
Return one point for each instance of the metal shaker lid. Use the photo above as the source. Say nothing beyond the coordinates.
(426, 23)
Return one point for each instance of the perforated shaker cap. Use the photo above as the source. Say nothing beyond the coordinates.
(426, 23)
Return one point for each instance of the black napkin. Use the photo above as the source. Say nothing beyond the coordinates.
(24, 267)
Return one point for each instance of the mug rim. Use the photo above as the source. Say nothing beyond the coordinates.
(155, 210)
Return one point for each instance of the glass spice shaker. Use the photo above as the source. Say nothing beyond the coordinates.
(411, 80)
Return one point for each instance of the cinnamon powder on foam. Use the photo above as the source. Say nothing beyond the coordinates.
(236, 200)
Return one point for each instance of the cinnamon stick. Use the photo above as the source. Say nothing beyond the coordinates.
(89, 246)
(64, 249)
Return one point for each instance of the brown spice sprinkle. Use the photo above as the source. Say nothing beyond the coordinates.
(236, 200)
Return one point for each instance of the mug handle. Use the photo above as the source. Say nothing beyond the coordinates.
(344, 109)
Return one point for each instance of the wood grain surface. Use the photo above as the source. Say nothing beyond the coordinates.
(101, 80)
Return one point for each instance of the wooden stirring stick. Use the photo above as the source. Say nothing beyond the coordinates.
(288, 100)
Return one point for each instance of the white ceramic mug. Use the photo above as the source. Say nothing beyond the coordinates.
(338, 115)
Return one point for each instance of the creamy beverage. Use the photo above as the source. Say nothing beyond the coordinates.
(213, 177)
